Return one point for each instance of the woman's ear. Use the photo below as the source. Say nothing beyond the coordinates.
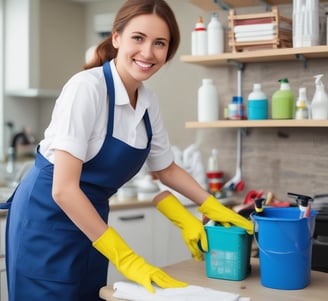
(115, 39)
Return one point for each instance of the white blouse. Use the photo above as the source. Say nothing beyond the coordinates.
(79, 120)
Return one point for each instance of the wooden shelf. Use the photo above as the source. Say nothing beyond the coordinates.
(257, 123)
(210, 5)
(256, 56)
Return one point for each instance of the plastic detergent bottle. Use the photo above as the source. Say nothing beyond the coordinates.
(208, 101)
(319, 106)
(283, 102)
(257, 104)
(302, 109)
(199, 38)
(214, 175)
(215, 36)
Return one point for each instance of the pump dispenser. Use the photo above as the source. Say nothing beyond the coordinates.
(283, 101)
(319, 106)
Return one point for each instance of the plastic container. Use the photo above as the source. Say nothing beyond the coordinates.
(306, 23)
(257, 104)
(285, 247)
(302, 109)
(215, 36)
(215, 178)
(199, 38)
(319, 105)
(283, 101)
(228, 255)
(208, 101)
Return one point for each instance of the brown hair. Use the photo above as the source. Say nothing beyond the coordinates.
(130, 9)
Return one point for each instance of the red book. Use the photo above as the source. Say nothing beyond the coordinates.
(254, 21)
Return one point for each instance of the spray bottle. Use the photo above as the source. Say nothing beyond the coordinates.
(319, 106)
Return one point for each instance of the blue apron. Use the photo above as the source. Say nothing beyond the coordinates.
(48, 257)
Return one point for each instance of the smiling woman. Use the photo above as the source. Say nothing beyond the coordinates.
(105, 125)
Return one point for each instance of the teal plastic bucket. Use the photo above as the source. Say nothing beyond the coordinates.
(285, 247)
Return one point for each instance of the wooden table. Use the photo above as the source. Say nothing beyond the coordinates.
(194, 273)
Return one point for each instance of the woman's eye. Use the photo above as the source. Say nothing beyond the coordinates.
(160, 43)
(137, 38)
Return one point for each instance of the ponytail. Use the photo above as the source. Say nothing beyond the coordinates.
(105, 51)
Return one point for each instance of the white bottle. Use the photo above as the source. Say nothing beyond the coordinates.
(199, 38)
(319, 106)
(215, 36)
(257, 104)
(208, 101)
(302, 109)
(213, 162)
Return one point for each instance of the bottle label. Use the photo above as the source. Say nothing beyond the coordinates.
(257, 109)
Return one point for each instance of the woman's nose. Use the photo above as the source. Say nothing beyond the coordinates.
(147, 50)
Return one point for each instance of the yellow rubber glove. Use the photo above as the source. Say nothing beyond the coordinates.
(131, 265)
(217, 212)
(192, 229)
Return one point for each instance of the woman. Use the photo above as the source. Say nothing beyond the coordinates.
(104, 126)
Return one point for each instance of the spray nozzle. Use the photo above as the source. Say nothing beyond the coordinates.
(302, 200)
(318, 79)
(259, 204)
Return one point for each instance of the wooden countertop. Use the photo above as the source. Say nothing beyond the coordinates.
(194, 273)
(114, 205)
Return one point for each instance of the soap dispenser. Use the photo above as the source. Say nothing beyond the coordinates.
(283, 101)
(319, 106)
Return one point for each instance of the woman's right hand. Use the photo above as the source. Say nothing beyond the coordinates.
(131, 265)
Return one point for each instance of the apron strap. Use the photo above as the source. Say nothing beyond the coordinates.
(7, 205)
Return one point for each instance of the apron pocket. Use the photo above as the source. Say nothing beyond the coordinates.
(53, 253)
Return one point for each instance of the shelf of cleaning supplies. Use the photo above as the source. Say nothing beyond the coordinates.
(257, 123)
(258, 56)
(210, 5)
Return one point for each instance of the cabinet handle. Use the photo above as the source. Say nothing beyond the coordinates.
(132, 217)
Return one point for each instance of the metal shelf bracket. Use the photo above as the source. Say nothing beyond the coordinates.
(302, 58)
(223, 5)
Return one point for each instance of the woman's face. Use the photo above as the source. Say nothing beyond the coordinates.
(142, 48)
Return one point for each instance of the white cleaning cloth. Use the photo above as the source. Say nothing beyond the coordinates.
(134, 292)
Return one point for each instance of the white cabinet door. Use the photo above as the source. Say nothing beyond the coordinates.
(3, 280)
(169, 246)
(135, 227)
(2, 235)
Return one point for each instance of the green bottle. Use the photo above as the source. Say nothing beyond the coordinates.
(283, 101)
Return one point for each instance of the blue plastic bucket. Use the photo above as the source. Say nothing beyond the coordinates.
(285, 247)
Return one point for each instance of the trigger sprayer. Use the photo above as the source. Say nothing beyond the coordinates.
(303, 202)
(319, 106)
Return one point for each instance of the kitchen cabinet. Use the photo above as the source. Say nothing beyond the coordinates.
(169, 246)
(151, 235)
(3, 278)
(44, 45)
(135, 227)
